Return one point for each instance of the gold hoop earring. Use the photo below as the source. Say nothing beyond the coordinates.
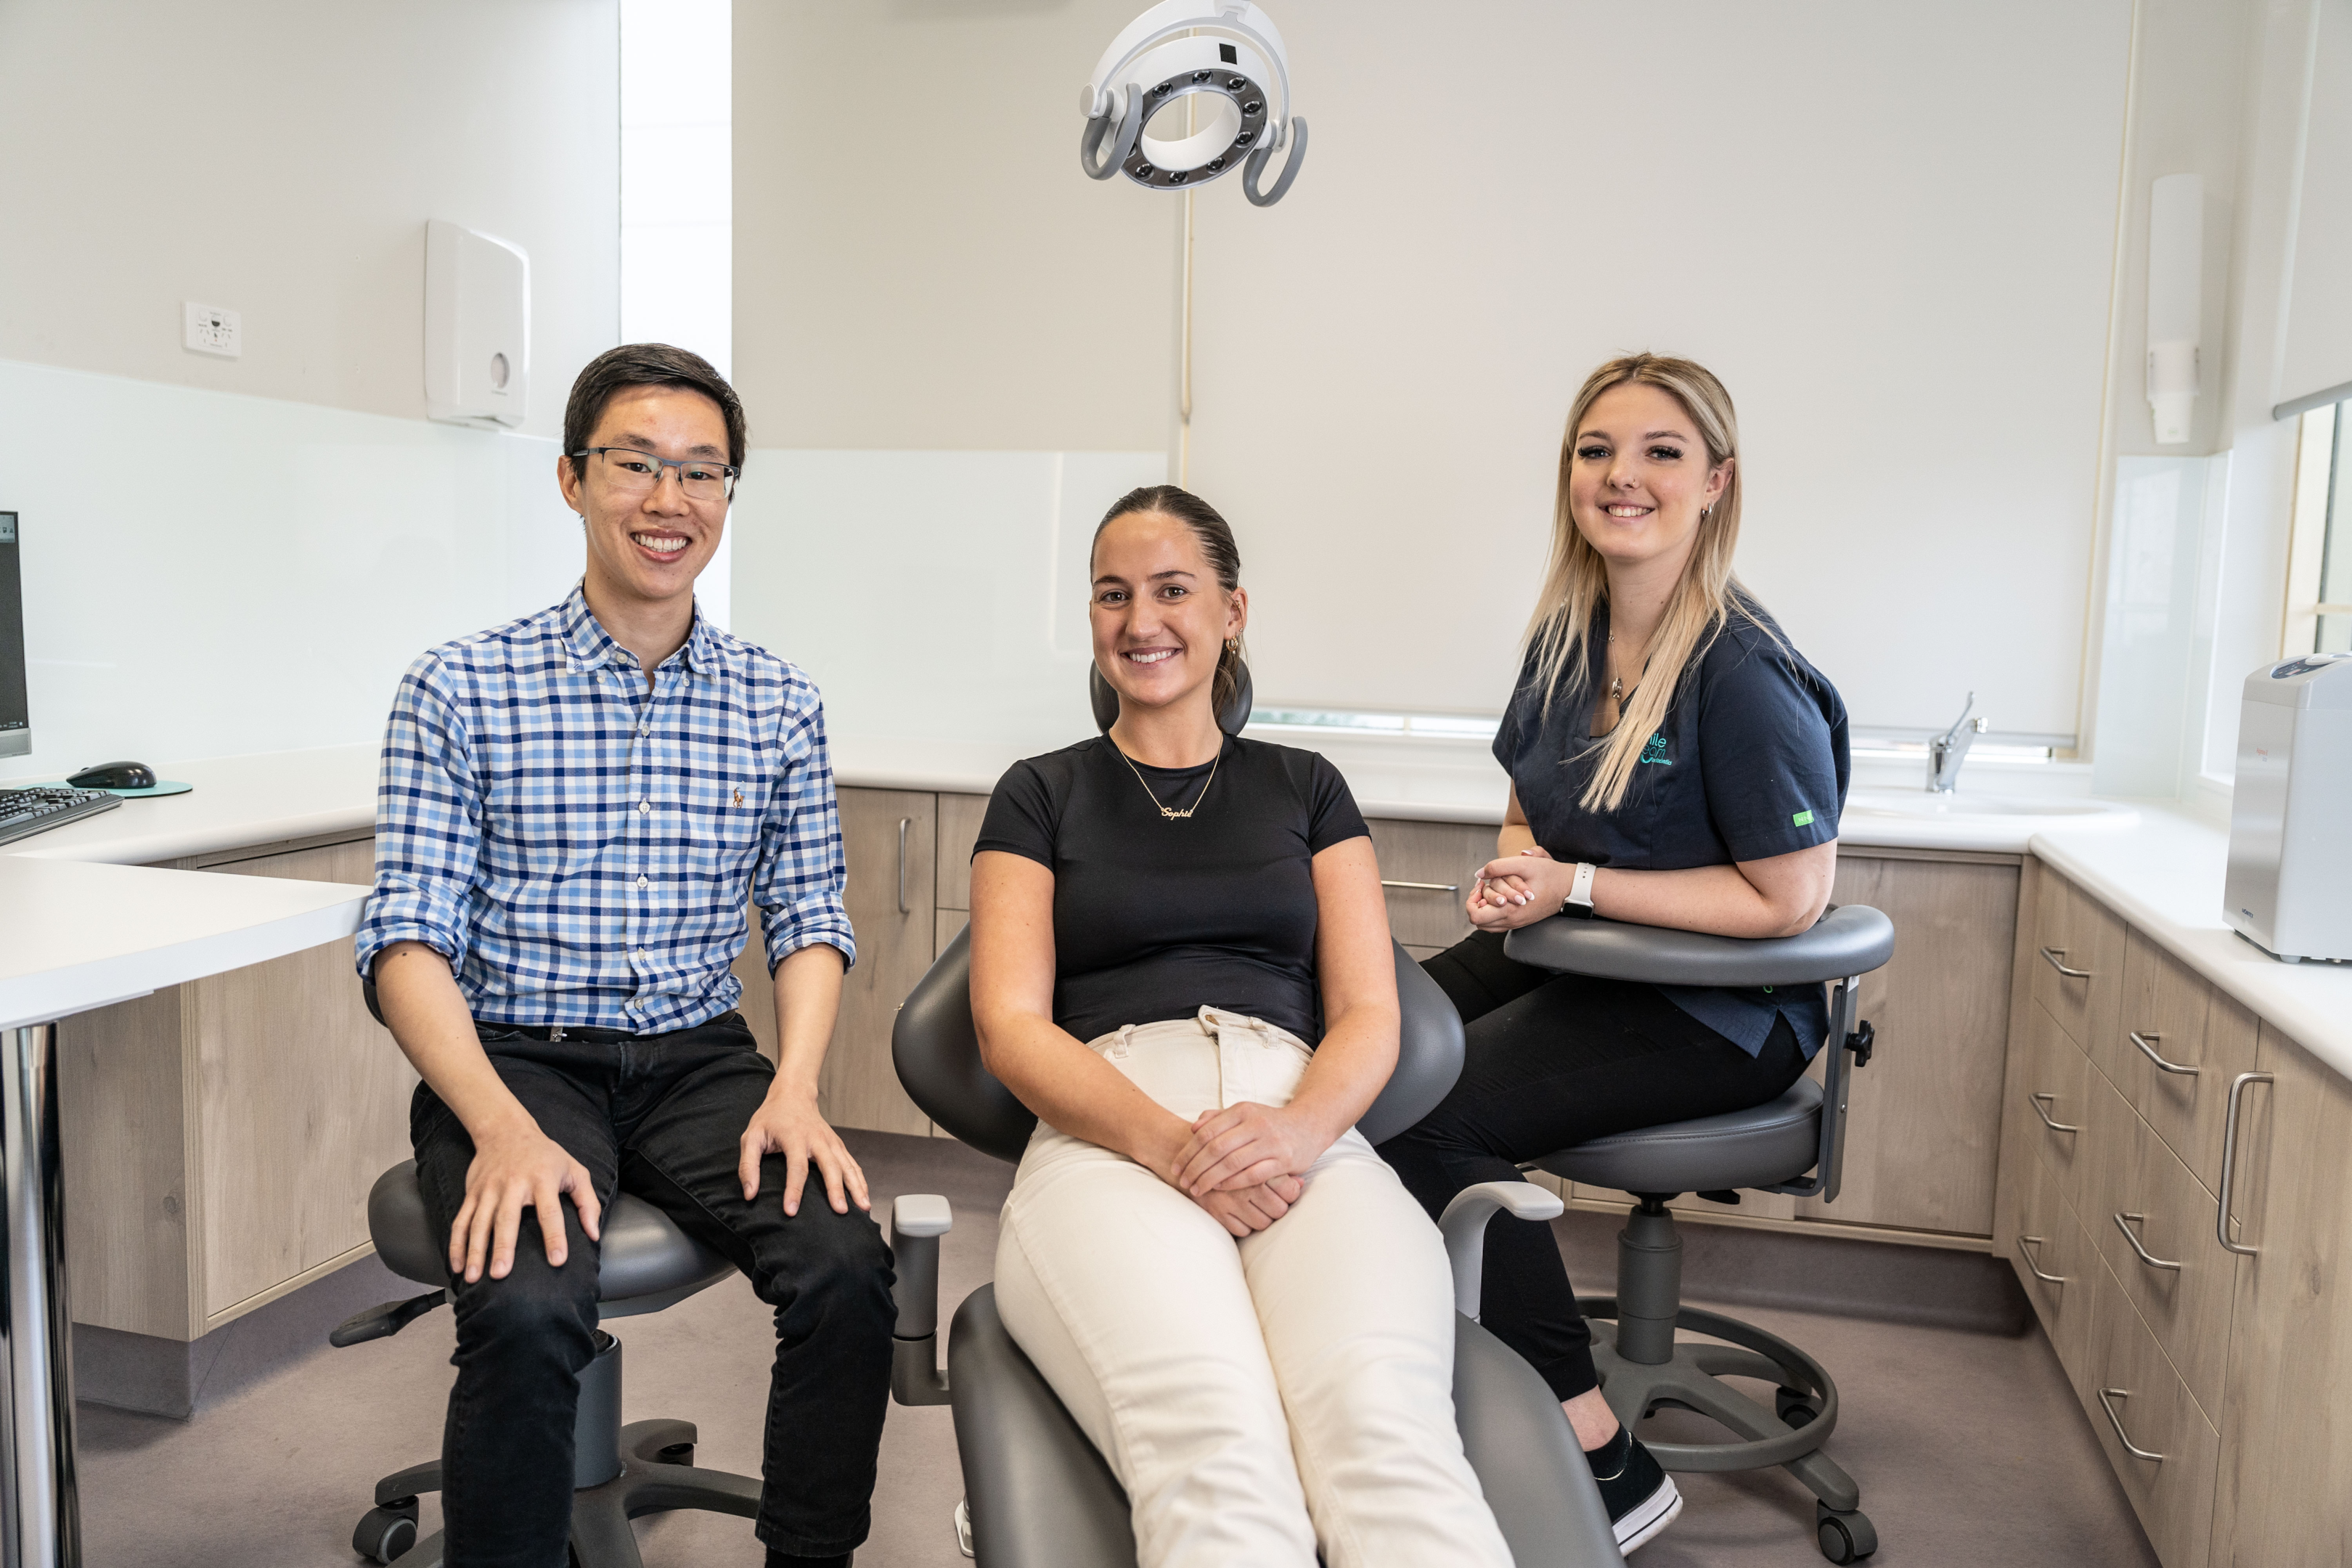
(1233, 645)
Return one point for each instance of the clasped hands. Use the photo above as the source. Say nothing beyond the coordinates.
(1518, 889)
(1245, 1163)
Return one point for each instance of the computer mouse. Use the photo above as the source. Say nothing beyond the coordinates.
(115, 775)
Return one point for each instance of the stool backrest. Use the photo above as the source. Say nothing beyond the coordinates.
(937, 1052)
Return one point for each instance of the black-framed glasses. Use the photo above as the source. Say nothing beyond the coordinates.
(632, 474)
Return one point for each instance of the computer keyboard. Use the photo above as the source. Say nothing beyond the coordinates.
(28, 811)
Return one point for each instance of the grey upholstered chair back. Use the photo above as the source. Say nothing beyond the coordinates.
(937, 1052)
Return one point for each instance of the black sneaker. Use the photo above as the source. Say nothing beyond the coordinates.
(1641, 1497)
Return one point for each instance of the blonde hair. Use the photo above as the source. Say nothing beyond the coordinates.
(1576, 581)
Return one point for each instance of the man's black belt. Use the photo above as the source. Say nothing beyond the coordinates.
(554, 1032)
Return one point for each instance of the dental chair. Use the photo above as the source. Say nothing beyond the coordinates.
(1644, 1367)
(1037, 1494)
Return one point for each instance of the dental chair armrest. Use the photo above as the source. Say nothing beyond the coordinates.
(918, 1220)
(1851, 940)
(1463, 1224)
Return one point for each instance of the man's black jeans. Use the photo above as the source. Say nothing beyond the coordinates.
(659, 1116)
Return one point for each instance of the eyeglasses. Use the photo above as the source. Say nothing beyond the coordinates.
(632, 474)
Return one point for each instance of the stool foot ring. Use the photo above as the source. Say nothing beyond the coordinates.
(1691, 1380)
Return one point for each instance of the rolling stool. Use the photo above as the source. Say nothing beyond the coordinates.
(1770, 1147)
(644, 1263)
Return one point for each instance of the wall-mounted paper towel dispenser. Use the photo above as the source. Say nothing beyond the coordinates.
(477, 327)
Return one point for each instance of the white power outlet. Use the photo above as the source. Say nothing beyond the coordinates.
(215, 329)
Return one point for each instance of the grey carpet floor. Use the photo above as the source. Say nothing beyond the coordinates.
(1968, 1447)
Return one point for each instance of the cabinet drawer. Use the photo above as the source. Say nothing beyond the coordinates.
(2171, 1019)
(2187, 1306)
(2056, 1263)
(2132, 1395)
(2053, 1095)
(1440, 857)
(2079, 955)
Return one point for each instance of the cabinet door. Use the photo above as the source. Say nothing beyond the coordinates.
(302, 1102)
(2058, 1265)
(2287, 1467)
(2079, 981)
(2051, 1098)
(889, 838)
(1425, 871)
(959, 819)
(1924, 1128)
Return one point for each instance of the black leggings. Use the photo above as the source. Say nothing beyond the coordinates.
(1554, 1060)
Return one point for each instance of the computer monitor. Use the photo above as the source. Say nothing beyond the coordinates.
(15, 717)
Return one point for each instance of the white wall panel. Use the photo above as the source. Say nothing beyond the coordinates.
(209, 576)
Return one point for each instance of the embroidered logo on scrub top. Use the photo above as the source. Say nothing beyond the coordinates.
(1802, 819)
(1656, 752)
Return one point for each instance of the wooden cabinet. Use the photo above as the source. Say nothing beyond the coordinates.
(2229, 1367)
(220, 1137)
(2286, 1428)
(1425, 873)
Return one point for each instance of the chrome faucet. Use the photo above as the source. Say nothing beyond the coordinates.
(1948, 751)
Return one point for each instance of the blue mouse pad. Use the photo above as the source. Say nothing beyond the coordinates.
(161, 786)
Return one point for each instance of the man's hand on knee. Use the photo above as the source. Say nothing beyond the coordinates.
(514, 1170)
(787, 1123)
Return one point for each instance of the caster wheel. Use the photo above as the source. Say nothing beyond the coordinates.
(383, 1533)
(1793, 1407)
(676, 1454)
(1844, 1537)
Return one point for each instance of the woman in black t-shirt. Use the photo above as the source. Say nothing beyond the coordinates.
(1674, 762)
(1180, 961)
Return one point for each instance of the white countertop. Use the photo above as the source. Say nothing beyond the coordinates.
(2159, 867)
(74, 937)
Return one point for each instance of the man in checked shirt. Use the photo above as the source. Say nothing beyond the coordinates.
(570, 810)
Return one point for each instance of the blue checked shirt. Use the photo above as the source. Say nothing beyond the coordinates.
(578, 848)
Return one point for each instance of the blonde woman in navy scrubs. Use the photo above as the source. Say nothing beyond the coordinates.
(1674, 762)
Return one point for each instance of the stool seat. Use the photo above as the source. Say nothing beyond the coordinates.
(645, 1261)
(1758, 1147)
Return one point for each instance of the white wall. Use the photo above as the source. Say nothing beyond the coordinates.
(236, 555)
(1891, 229)
(281, 158)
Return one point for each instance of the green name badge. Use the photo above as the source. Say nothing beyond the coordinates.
(1803, 819)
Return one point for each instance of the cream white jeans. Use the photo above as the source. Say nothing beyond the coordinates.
(1257, 1397)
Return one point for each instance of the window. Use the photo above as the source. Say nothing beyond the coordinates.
(2319, 568)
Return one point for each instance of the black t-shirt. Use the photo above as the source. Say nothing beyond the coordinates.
(1154, 919)
(1749, 763)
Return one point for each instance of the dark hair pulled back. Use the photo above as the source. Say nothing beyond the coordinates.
(1216, 537)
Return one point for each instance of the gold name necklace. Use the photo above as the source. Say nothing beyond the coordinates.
(1170, 812)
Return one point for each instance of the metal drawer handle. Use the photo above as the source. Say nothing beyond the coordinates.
(2123, 1222)
(2025, 1241)
(2147, 1044)
(2108, 1397)
(2230, 1160)
(2053, 1126)
(2053, 954)
(1425, 887)
(904, 824)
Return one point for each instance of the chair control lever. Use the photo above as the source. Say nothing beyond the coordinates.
(918, 1220)
(1463, 1224)
(383, 1321)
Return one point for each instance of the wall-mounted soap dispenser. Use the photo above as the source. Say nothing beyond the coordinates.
(477, 327)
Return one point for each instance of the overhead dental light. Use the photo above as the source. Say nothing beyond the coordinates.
(1226, 54)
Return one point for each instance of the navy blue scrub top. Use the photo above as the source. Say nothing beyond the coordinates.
(1751, 763)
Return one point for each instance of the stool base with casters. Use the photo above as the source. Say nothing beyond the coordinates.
(1643, 1363)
